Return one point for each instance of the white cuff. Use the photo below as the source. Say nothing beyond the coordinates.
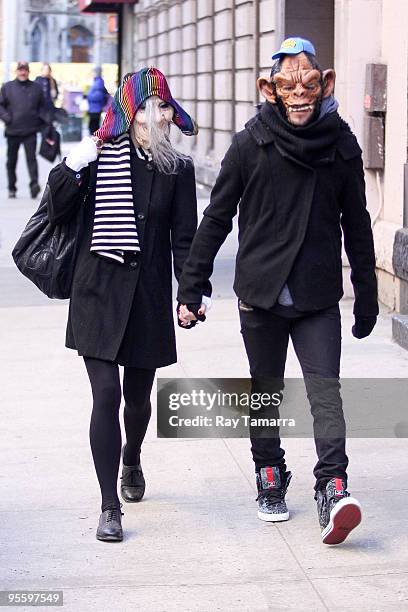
(72, 163)
(206, 301)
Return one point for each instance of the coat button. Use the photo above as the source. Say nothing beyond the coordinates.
(149, 167)
(140, 216)
(134, 264)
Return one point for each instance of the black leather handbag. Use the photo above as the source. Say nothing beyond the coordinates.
(50, 147)
(46, 254)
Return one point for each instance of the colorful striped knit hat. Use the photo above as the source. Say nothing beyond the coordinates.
(135, 88)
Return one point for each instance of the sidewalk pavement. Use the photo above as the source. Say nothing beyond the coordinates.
(195, 542)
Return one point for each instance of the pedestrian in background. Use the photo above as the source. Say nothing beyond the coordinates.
(24, 113)
(98, 96)
(49, 88)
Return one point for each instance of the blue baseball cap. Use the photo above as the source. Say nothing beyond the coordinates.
(293, 46)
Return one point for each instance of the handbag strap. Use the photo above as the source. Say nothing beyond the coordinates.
(93, 168)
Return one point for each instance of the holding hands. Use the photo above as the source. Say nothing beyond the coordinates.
(189, 314)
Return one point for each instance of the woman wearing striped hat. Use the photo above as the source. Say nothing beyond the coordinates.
(139, 210)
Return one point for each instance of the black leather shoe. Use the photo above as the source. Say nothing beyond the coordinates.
(133, 484)
(110, 525)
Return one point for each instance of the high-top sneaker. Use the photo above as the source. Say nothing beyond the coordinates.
(338, 512)
(272, 484)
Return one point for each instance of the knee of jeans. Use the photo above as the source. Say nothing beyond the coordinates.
(266, 382)
(319, 384)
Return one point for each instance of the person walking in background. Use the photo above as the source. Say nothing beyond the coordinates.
(23, 110)
(98, 96)
(49, 88)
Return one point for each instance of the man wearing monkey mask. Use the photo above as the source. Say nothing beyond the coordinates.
(296, 172)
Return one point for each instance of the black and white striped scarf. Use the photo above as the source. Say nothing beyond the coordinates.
(114, 230)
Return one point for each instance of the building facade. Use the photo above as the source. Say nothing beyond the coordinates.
(56, 32)
(213, 51)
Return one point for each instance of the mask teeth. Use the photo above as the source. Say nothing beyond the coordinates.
(304, 107)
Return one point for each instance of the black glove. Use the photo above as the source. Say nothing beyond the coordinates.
(363, 326)
(194, 308)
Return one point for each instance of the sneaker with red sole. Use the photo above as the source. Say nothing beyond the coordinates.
(338, 512)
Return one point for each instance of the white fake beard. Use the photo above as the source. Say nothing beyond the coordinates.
(165, 157)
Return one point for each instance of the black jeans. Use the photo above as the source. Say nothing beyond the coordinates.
(317, 342)
(13, 145)
(104, 431)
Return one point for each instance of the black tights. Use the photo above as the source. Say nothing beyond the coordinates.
(104, 431)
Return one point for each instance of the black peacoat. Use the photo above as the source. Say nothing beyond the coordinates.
(123, 312)
(291, 217)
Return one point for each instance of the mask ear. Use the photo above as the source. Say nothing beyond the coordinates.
(266, 89)
(329, 78)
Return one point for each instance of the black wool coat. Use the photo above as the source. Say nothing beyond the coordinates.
(22, 108)
(287, 234)
(124, 312)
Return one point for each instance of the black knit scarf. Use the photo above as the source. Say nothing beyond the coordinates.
(313, 144)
